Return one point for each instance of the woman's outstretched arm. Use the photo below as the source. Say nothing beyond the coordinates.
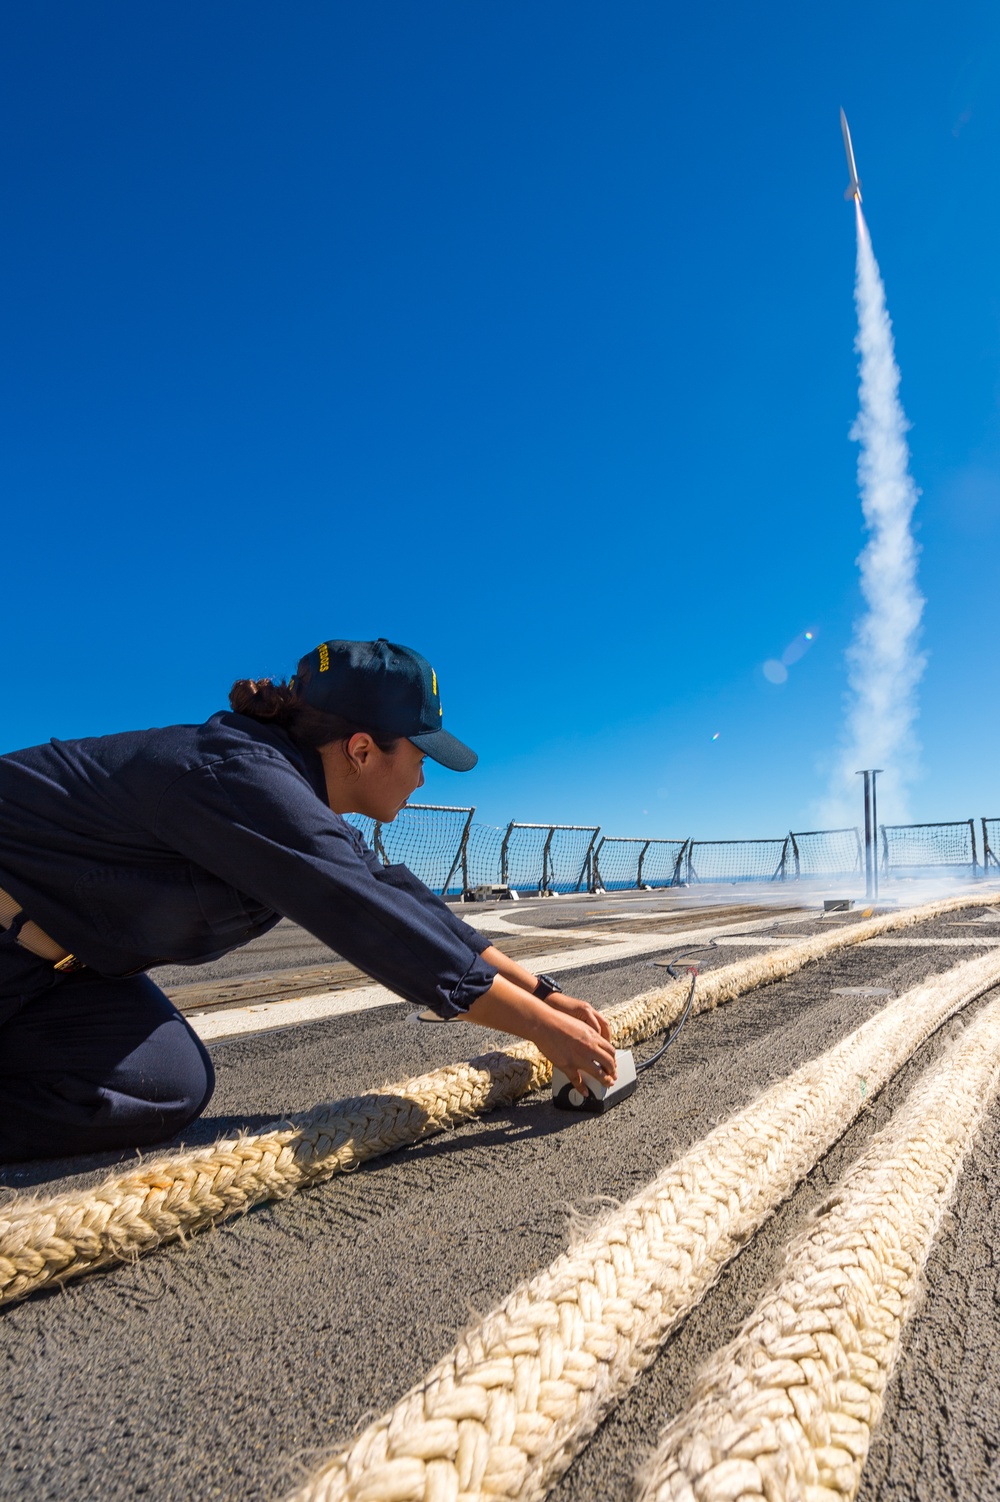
(571, 1006)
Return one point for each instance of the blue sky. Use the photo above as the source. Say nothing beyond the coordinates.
(521, 334)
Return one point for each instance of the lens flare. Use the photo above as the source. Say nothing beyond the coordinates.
(798, 648)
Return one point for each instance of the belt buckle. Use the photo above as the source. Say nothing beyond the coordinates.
(68, 964)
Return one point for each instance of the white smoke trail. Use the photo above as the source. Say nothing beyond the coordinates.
(884, 663)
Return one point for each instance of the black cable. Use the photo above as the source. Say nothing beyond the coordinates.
(671, 1037)
(683, 954)
(669, 967)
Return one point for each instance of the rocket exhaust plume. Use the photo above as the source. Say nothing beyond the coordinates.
(884, 662)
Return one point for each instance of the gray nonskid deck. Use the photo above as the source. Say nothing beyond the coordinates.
(224, 1368)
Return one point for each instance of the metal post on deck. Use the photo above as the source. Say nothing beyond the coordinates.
(875, 772)
(871, 834)
(868, 837)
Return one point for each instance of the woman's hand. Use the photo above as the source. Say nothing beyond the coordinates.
(576, 1048)
(563, 1032)
(571, 1006)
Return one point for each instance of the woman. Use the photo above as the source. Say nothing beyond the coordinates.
(179, 845)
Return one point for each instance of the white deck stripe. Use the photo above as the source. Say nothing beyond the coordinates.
(265, 1015)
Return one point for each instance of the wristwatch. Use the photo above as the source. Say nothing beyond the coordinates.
(545, 986)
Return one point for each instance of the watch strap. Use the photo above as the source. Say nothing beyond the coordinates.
(545, 986)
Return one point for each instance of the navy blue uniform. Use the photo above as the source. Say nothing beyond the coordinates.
(179, 845)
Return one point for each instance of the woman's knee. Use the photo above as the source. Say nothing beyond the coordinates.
(92, 1071)
(171, 1067)
(145, 1101)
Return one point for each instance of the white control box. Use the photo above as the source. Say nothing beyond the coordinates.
(601, 1097)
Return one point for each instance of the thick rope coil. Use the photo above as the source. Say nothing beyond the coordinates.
(42, 1241)
(786, 1412)
(503, 1415)
(131, 1213)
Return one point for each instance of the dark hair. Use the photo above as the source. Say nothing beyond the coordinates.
(277, 703)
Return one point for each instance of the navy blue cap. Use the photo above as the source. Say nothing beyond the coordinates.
(384, 687)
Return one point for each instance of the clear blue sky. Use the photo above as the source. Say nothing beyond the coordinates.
(521, 334)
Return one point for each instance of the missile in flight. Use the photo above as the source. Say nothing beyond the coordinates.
(854, 187)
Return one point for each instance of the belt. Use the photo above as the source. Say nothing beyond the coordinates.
(33, 939)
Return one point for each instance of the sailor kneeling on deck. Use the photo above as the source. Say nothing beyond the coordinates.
(177, 845)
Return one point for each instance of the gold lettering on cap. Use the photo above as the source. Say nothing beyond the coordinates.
(324, 657)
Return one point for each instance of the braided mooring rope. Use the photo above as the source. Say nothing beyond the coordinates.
(505, 1412)
(81, 1231)
(787, 1410)
(42, 1241)
(644, 1016)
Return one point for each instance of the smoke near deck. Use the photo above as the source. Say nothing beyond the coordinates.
(885, 664)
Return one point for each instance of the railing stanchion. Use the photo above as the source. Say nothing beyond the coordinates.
(595, 870)
(586, 870)
(546, 848)
(638, 869)
(461, 858)
(504, 867)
